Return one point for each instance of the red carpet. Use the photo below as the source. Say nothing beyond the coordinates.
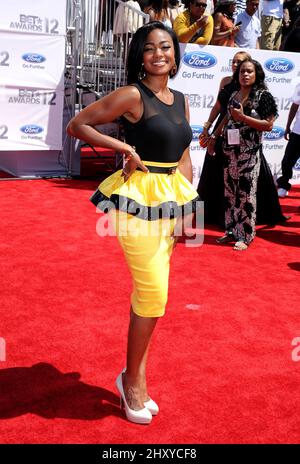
(221, 365)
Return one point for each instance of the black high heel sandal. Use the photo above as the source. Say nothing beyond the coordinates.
(227, 238)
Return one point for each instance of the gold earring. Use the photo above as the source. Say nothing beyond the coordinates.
(173, 70)
(142, 73)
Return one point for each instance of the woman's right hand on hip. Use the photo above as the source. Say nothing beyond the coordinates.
(133, 161)
(128, 169)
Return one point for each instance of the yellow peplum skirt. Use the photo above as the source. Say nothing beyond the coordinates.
(144, 211)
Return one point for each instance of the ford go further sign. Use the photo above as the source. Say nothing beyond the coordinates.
(279, 65)
(275, 134)
(200, 60)
(196, 131)
(31, 129)
(33, 58)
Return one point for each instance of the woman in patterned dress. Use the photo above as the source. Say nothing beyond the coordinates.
(251, 111)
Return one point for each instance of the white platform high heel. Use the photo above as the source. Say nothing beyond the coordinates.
(150, 404)
(141, 416)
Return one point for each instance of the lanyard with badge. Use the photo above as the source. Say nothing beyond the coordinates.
(233, 135)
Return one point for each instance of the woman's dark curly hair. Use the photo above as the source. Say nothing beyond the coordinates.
(158, 5)
(267, 105)
(224, 9)
(136, 49)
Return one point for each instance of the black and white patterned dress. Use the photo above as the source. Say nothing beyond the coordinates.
(241, 168)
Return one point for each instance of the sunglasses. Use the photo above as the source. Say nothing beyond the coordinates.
(200, 5)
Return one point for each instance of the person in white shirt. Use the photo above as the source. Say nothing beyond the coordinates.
(250, 30)
(271, 24)
(127, 19)
(292, 151)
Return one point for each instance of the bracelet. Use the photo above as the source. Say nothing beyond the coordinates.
(207, 125)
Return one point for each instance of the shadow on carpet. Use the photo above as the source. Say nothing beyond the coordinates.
(44, 390)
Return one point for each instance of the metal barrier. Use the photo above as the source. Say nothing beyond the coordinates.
(74, 42)
(107, 29)
(99, 33)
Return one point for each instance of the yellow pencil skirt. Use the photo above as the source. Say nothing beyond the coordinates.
(147, 246)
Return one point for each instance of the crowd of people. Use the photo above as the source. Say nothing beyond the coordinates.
(266, 24)
(248, 24)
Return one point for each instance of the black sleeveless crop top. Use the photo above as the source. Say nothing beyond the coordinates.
(163, 133)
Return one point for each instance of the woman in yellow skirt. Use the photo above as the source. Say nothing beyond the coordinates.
(152, 194)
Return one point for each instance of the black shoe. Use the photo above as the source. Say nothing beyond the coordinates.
(282, 219)
(227, 238)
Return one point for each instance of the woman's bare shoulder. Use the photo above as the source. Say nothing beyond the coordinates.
(128, 100)
(127, 95)
(218, 15)
(226, 80)
(128, 91)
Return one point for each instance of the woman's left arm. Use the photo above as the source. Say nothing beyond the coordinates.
(262, 125)
(185, 163)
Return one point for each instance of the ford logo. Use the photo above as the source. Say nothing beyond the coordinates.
(196, 132)
(275, 134)
(33, 58)
(279, 65)
(199, 60)
(31, 129)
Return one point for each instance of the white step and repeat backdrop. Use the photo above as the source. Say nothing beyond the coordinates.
(199, 76)
(32, 63)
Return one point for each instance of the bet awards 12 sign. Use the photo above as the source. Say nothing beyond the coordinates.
(32, 16)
